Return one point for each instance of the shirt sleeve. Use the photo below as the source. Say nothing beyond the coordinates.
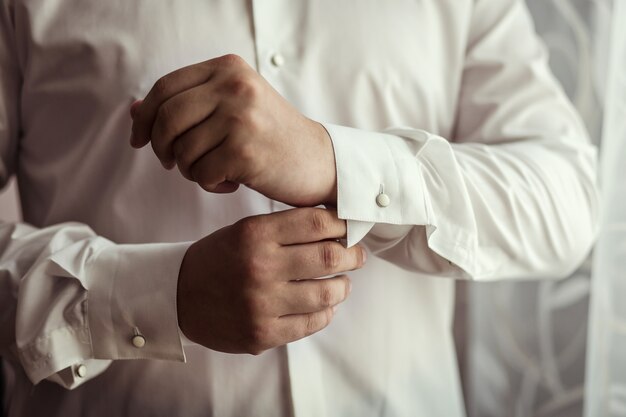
(511, 195)
(73, 301)
(70, 301)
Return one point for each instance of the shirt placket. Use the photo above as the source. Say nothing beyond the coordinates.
(275, 30)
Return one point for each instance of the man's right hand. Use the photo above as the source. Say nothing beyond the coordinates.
(251, 286)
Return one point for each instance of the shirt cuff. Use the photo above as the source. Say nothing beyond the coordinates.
(132, 299)
(80, 304)
(378, 179)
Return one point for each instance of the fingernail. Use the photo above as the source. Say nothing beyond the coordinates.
(335, 309)
(349, 286)
(364, 255)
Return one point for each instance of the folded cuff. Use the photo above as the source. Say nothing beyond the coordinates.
(134, 294)
(371, 164)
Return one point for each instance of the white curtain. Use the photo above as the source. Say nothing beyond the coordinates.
(606, 366)
(527, 341)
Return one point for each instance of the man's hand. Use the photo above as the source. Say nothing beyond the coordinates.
(251, 286)
(224, 125)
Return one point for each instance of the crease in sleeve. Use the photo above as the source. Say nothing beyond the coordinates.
(58, 350)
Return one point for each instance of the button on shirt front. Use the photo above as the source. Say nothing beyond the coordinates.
(487, 172)
(139, 341)
(278, 60)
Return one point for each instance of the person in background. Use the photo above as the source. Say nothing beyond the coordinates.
(432, 132)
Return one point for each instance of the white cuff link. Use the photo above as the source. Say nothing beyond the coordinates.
(138, 339)
(382, 199)
(277, 60)
(80, 371)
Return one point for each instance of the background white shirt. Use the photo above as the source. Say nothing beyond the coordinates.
(494, 179)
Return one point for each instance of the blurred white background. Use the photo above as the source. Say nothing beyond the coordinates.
(526, 344)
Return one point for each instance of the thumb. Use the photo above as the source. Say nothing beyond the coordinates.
(134, 107)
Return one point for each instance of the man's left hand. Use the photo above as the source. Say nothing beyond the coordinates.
(224, 125)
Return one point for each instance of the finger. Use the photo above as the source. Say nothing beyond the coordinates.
(304, 225)
(314, 260)
(165, 88)
(215, 168)
(226, 187)
(311, 295)
(177, 115)
(133, 108)
(192, 145)
(133, 111)
(298, 326)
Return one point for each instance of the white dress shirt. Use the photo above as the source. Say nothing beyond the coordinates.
(458, 156)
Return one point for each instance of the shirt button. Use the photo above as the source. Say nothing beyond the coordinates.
(139, 341)
(81, 371)
(277, 60)
(382, 200)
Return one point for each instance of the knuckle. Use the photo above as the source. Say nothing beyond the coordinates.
(310, 324)
(317, 321)
(235, 123)
(325, 295)
(319, 222)
(231, 59)
(181, 152)
(161, 86)
(243, 86)
(182, 160)
(233, 119)
(355, 257)
(257, 271)
(327, 317)
(247, 121)
(184, 156)
(198, 175)
(179, 149)
(184, 171)
(164, 120)
(165, 112)
(249, 229)
(347, 287)
(330, 256)
(254, 120)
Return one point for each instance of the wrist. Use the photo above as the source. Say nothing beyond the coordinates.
(181, 290)
(329, 169)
